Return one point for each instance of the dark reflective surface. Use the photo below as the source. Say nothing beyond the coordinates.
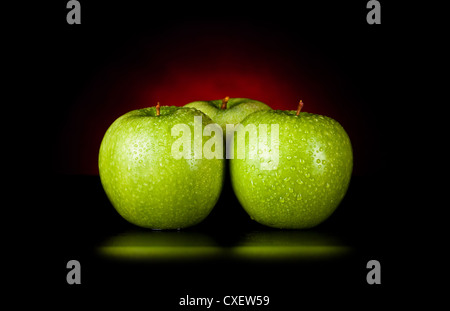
(226, 254)
(181, 246)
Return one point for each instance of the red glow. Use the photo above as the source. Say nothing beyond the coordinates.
(184, 69)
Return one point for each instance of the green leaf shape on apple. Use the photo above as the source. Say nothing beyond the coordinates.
(145, 183)
(229, 110)
(310, 178)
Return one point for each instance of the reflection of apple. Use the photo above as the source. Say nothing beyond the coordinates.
(160, 246)
(228, 110)
(145, 183)
(289, 244)
(312, 176)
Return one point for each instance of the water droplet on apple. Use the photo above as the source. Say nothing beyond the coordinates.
(288, 157)
(259, 175)
(293, 168)
(281, 199)
(307, 175)
(318, 161)
(291, 190)
(328, 185)
(299, 197)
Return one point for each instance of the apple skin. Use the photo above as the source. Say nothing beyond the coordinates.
(145, 183)
(313, 173)
(236, 110)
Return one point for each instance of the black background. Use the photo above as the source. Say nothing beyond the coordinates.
(78, 217)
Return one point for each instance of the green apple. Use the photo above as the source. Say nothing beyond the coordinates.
(145, 182)
(307, 180)
(228, 110)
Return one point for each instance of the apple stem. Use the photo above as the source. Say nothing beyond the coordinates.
(300, 106)
(224, 102)
(157, 108)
